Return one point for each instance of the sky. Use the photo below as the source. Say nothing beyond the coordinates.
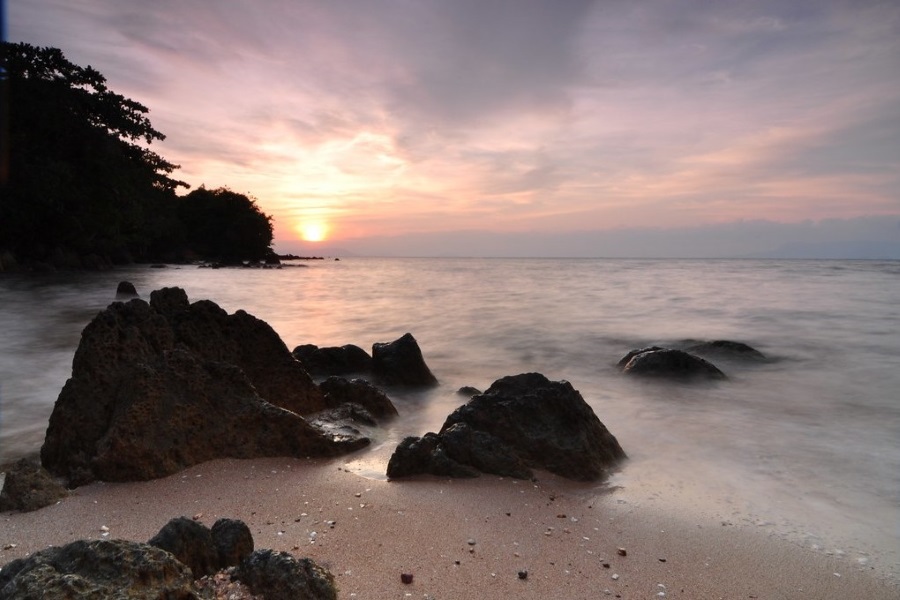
(519, 127)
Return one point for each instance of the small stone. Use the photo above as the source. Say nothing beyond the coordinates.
(523, 574)
(606, 565)
(406, 578)
(198, 516)
(615, 576)
(662, 560)
(622, 552)
(471, 542)
(104, 528)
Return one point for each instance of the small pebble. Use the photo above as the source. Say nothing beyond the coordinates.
(406, 578)
(622, 552)
(471, 542)
(662, 560)
(606, 565)
(523, 574)
(615, 576)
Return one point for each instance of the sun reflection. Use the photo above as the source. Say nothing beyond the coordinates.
(312, 231)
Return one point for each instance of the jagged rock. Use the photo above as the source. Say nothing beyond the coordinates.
(162, 386)
(667, 363)
(233, 541)
(279, 576)
(520, 423)
(98, 569)
(125, 289)
(339, 360)
(28, 486)
(726, 349)
(339, 391)
(191, 543)
(401, 363)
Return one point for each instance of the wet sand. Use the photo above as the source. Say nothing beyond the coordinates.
(458, 538)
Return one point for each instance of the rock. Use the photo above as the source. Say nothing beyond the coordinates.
(520, 423)
(338, 390)
(341, 360)
(28, 486)
(406, 578)
(401, 363)
(125, 289)
(191, 543)
(278, 575)
(233, 541)
(726, 349)
(162, 386)
(667, 363)
(468, 391)
(98, 569)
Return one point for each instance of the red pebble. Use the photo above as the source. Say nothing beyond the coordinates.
(406, 578)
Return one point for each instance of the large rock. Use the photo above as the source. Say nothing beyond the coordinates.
(28, 486)
(278, 575)
(233, 541)
(401, 363)
(98, 569)
(520, 423)
(158, 387)
(656, 362)
(336, 360)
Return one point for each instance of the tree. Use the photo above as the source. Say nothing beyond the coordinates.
(81, 178)
(225, 225)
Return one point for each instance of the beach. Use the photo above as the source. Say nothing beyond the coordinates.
(470, 538)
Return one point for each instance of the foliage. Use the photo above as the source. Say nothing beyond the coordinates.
(81, 179)
(225, 225)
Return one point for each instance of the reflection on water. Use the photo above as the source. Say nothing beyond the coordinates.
(805, 444)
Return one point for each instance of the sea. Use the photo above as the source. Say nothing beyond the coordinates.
(804, 446)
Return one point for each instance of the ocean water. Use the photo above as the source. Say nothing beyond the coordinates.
(805, 446)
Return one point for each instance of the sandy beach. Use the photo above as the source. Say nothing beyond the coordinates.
(458, 538)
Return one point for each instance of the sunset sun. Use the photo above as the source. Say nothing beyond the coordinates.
(312, 231)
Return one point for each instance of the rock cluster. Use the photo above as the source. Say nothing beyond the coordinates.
(28, 486)
(520, 423)
(687, 364)
(167, 567)
(161, 386)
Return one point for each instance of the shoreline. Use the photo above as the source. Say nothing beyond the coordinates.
(551, 528)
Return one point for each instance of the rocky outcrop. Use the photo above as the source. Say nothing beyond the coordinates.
(125, 291)
(401, 363)
(656, 362)
(520, 423)
(337, 360)
(98, 569)
(273, 574)
(161, 386)
(28, 486)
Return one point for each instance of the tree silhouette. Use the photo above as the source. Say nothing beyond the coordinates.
(225, 225)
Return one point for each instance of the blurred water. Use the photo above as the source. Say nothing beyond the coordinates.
(804, 446)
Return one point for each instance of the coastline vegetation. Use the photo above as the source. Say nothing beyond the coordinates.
(81, 188)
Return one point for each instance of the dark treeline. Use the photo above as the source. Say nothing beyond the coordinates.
(80, 188)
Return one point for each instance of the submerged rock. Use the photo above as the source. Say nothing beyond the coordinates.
(401, 363)
(98, 569)
(667, 363)
(726, 349)
(520, 423)
(339, 391)
(162, 386)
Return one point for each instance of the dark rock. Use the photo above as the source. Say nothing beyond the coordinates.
(406, 578)
(98, 569)
(401, 363)
(340, 360)
(468, 391)
(28, 486)
(339, 391)
(191, 543)
(671, 364)
(343, 422)
(125, 289)
(279, 576)
(158, 387)
(726, 349)
(233, 541)
(520, 423)
(627, 358)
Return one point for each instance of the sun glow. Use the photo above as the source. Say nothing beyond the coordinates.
(312, 231)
